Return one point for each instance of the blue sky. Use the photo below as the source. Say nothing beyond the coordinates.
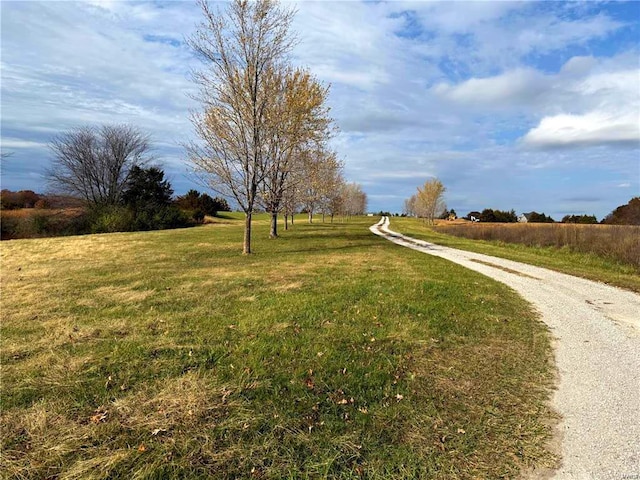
(523, 105)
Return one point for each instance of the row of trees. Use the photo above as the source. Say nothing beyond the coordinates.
(264, 126)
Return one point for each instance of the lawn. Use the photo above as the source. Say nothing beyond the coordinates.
(604, 266)
(329, 353)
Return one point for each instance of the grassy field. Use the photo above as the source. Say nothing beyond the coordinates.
(330, 353)
(605, 253)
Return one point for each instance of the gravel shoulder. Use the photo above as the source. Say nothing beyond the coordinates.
(597, 353)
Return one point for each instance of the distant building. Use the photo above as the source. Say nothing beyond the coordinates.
(524, 218)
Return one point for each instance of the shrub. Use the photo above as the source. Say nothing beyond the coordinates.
(198, 216)
(111, 219)
(194, 200)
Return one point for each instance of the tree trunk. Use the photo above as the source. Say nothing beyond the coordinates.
(286, 223)
(246, 246)
(332, 218)
(322, 217)
(292, 215)
(310, 216)
(273, 232)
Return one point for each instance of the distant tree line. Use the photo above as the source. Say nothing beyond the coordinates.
(628, 214)
(535, 217)
(490, 215)
(583, 219)
(22, 199)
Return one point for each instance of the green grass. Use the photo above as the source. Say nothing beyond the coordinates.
(329, 353)
(586, 265)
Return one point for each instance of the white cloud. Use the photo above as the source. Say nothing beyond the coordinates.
(509, 89)
(12, 143)
(594, 128)
(579, 65)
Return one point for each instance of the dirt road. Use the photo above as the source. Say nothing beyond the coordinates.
(597, 352)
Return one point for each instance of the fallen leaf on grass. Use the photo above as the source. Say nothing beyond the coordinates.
(100, 416)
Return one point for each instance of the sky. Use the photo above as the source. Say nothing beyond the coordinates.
(512, 105)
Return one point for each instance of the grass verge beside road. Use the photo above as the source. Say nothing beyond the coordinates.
(586, 265)
(330, 353)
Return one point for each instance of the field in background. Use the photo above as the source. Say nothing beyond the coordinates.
(620, 243)
(41, 222)
(607, 253)
(330, 353)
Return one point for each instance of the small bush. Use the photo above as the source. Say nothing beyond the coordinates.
(111, 219)
(9, 227)
(198, 216)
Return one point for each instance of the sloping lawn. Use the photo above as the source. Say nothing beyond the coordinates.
(329, 353)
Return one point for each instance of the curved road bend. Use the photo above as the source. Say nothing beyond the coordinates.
(597, 352)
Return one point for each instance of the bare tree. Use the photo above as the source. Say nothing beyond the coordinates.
(319, 172)
(334, 200)
(354, 200)
(410, 206)
(244, 49)
(95, 163)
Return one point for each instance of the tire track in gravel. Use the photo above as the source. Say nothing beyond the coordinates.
(597, 353)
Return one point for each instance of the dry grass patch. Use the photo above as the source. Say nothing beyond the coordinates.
(123, 294)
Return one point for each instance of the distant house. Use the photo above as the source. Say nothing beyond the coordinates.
(452, 216)
(524, 218)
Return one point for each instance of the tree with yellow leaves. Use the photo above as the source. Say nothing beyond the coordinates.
(244, 50)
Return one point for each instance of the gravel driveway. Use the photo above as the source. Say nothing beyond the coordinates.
(597, 352)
